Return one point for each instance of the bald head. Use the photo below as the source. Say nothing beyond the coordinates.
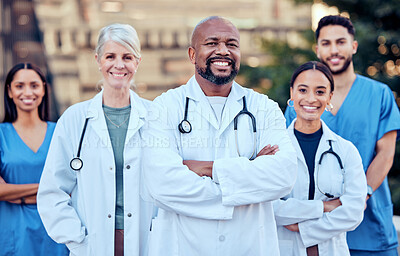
(205, 21)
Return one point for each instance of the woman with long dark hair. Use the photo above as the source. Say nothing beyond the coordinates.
(25, 137)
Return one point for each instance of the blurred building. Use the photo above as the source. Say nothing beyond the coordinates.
(69, 30)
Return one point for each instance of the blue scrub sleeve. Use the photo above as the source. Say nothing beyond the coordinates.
(390, 115)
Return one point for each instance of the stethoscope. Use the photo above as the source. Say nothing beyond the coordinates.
(329, 151)
(185, 126)
(76, 162)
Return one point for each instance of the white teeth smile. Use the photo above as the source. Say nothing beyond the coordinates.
(220, 63)
(27, 101)
(118, 75)
(309, 107)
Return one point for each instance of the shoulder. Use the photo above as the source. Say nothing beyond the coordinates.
(171, 94)
(371, 84)
(51, 125)
(343, 145)
(5, 128)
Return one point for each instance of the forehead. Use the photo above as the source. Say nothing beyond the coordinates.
(334, 32)
(114, 47)
(312, 78)
(217, 29)
(26, 74)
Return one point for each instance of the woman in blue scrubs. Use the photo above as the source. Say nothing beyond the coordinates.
(25, 137)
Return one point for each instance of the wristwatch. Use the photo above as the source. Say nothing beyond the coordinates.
(370, 191)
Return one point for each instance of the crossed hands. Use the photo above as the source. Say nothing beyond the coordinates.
(204, 168)
(328, 207)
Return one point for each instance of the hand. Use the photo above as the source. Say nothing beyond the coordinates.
(28, 200)
(293, 227)
(201, 168)
(2, 181)
(268, 150)
(331, 205)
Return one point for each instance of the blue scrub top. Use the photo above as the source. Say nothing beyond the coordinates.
(21, 229)
(368, 112)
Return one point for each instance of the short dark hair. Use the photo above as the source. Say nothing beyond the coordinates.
(9, 105)
(315, 65)
(335, 20)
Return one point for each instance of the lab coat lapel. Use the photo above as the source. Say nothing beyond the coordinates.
(233, 105)
(201, 104)
(323, 146)
(97, 120)
(136, 119)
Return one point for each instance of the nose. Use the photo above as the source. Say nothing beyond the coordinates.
(334, 49)
(119, 63)
(222, 49)
(27, 90)
(311, 97)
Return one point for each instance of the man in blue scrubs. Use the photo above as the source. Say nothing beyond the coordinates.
(364, 112)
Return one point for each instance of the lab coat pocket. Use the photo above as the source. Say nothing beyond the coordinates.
(162, 239)
(286, 247)
(82, 248)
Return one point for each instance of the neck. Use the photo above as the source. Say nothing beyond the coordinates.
(116, 98)
(306, 126)
(27, 119)
(211, 89)
(344, 80)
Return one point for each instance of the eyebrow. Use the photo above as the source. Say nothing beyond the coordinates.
(337, 39)
(214, 38)
(318, 87)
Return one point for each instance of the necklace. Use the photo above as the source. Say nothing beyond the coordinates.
(126, 119)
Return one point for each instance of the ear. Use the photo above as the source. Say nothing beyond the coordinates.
(291, 92)
(355, 46)
(317, 52)
(138, 61)
(192, 55)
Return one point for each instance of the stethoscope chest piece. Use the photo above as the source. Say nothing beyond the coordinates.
(185, 126)
(76, 164)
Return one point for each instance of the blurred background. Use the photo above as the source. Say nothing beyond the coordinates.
(276, 37)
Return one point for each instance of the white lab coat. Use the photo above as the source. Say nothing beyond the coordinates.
(328, 230)
(78, 207)
(198, 216)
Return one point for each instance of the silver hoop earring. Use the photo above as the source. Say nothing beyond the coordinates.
(329, 107)
(290, 103)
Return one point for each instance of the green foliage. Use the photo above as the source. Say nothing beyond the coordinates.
(274, 79)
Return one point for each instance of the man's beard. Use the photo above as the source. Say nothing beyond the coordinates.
(344, 68)
(218, 80)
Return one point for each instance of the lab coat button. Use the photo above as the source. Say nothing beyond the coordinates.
(110, 168)
(109, 216)
(128, 167)
(129, 214)
(221, 238)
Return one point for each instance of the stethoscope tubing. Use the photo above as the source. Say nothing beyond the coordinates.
(339, 160)
(185, 126)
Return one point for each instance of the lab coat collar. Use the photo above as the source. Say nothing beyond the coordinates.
(232, 106)
(96, 114)
(323, 145)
